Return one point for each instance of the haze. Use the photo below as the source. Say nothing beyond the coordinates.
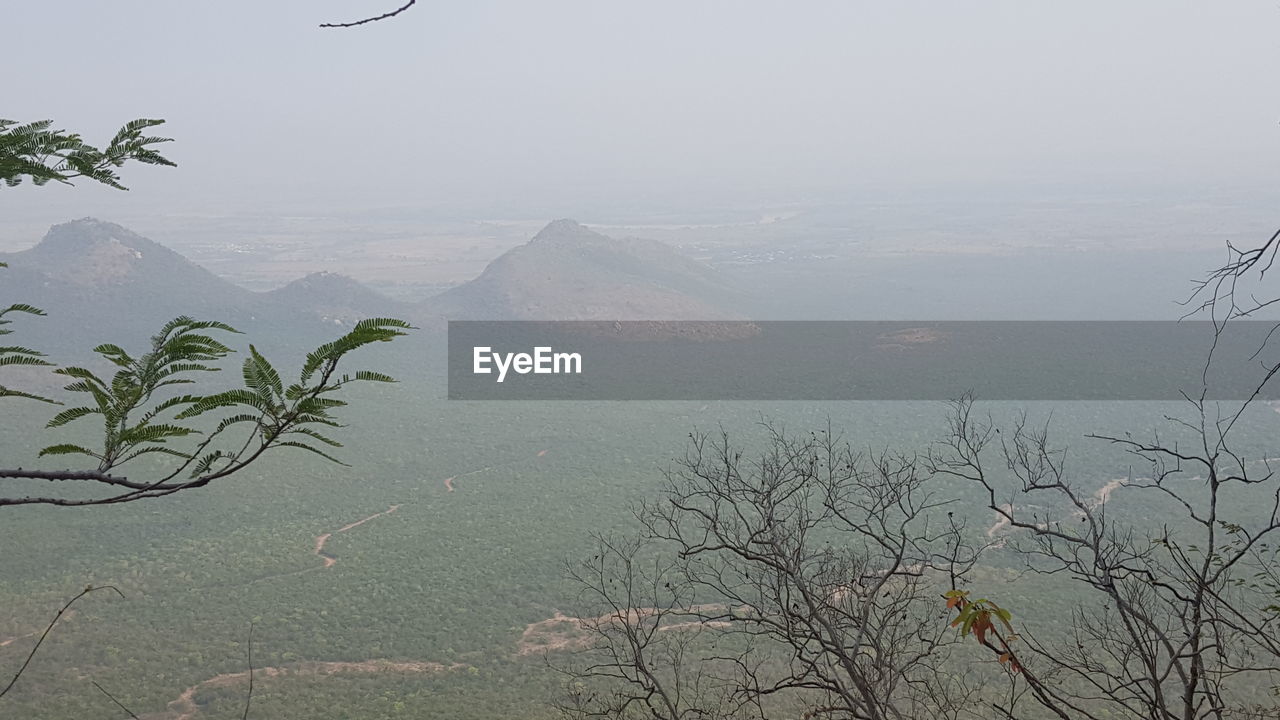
(649, 161)
(560, 106)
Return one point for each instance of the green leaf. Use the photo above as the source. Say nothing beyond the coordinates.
(291, 443)
(70, 414)
(67, 449)
(370, 376)
(22, 360)
(312, 433)
(9, 392)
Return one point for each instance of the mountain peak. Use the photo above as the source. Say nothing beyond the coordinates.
(325, 279)
(87, 234)
(334, 297)
(93, 252)
(565, 229)
(106, 276)
(569, 272)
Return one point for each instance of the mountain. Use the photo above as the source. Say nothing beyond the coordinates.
(569, 272)
(334, 298)
(97, 260)
(100, 282)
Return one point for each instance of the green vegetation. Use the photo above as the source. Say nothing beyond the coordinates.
(139, 417)
(450, 577)
(12, 355)
(427, 578)
(35, 151)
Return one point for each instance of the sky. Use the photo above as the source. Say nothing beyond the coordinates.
(573, 101)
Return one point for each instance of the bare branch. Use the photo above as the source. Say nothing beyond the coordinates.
(114, 700)
(248, 698)
(365, 21)
(88, 589)
(819, 566)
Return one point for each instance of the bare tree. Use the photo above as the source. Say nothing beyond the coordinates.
(1185, 627)
(650, 647)
(1179, 619)
(805, 581)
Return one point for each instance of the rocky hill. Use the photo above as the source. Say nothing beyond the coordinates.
(569, 272)
(334, 298)
(100, 282)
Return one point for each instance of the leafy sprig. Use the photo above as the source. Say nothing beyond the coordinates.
(979, 618)
(139, 418)
(18, 354)
(36, 151)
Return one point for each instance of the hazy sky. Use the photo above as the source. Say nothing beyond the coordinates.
(562, 99)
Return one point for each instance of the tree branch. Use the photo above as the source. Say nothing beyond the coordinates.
(88, 589)
(365, 21)
(114, 700)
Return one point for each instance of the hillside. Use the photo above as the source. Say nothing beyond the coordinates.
(569, 272)
(88, 259)
(99, 282)
(333, 298)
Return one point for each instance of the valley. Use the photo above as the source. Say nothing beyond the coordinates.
(431, 572)
(399, 360)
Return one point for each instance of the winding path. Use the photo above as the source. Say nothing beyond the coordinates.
(16, 638)
(186, 708)
(321, 540)
(63, 620)
(566, 632)
(1099, 499)
(448, 482)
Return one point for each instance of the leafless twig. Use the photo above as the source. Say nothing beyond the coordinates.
(114, 700)
(249, 697)
(368, 20)
(88, 589)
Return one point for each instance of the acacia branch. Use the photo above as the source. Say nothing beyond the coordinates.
(94, 475)
(281, 416)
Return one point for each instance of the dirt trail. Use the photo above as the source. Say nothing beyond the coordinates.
(1100, 497)
(1001, 521)
(16, 638)
(565, 632)
(186, 708)
(321, 540)
(1104, 493)
(448, 482)
(66, 617)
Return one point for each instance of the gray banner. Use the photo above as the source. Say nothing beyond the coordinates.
(801, 360)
